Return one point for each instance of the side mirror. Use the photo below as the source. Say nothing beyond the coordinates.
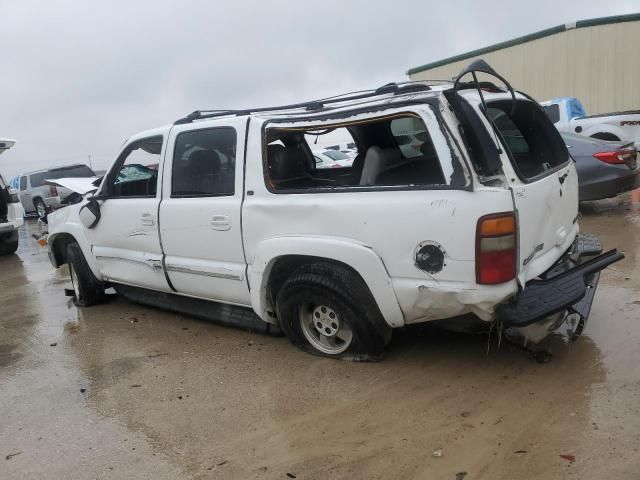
(90, 213)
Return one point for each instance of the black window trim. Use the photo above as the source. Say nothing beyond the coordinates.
(108, 181)
(432, 103)
(206, 195)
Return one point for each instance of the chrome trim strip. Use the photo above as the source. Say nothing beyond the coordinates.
(182, 269)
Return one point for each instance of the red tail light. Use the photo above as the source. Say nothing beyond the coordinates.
(496, 248)
(53, 191)
(618, 157)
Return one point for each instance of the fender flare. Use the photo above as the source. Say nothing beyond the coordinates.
(606, 128)
(75, 231)
(356, 255)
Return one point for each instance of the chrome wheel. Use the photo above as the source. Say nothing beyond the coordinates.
(74, 280)
(324, 329)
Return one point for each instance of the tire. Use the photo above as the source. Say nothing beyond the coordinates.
(88, 289)
(606, 136)
(9, 245)
(41, 209)
(327, 310)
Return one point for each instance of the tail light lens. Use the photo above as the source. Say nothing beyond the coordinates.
(13, 196)
(53, 191)
(496, 248)
(618, 157)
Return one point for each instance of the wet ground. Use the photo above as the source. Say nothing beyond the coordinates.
(125, 391)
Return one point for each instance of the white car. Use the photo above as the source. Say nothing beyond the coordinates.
(338, 258)
(38, 195)
(329, 158)
(11, 212)
(568, 115)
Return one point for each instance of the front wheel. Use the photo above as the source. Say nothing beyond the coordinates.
(9, 244)
(327, 310)
(88, 290)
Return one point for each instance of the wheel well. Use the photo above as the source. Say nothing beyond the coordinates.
(606, 136)
(59, 247)
(284, 266)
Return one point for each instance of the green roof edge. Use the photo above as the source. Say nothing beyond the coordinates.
(527, 38)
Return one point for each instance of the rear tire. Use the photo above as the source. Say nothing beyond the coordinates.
(88, 289)
(327, 310)
(41, 209)
(9, 245)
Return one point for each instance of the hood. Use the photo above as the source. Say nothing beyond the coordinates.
(80, 185)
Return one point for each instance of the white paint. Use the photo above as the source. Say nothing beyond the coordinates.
(224, 248)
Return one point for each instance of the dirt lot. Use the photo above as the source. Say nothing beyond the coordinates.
(125, 391)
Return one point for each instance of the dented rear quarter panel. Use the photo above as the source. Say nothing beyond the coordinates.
(392, 225)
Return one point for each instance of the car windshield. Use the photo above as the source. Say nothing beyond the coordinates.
(336, 155)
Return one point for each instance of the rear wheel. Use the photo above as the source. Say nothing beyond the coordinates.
(9, 245)
(88, 290)
(41, 209)
(327, 310)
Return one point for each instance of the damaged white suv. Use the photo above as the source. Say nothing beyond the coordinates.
(223, 214)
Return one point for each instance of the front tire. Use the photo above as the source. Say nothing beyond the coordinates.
(9, 244)
(327, 310)
(87, 288)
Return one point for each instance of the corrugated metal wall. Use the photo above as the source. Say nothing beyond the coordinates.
(600, 65)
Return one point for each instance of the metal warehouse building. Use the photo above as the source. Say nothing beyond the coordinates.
(597, 61)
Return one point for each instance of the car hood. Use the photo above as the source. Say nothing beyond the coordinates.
(80, 185)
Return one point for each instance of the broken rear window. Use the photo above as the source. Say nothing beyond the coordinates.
(532, 142)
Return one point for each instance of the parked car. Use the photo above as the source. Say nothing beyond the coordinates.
(11, 211)
(37, 196)
(349, 148)
(605, 169)
(337, 258)
(332, 158)
(568, 115)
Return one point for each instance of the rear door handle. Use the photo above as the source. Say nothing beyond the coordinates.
(220, 222)
(147, 220)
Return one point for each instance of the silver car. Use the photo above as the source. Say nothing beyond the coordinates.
(40, 197)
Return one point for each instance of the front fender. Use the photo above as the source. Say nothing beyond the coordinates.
(66, 222)
(357, 255)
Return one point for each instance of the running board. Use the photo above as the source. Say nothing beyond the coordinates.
(220, 313)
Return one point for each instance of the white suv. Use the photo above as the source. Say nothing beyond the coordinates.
(223, 214)
(11, 212)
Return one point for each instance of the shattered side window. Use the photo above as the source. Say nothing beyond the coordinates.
(405, 149)
(136, 173)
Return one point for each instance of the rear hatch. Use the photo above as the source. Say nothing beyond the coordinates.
(543, 180)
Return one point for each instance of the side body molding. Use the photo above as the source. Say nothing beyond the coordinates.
(357, 255)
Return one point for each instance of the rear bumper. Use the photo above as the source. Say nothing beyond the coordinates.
(614, 183)
(566, 289)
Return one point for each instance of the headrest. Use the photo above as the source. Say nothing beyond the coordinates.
(204, 162)
(286, 163)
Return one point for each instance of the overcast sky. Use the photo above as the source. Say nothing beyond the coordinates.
(78, 77)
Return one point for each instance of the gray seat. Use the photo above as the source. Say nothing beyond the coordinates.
(376, 162)
(198, 174)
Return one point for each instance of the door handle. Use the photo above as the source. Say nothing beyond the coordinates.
(147, 220)
(220, 222)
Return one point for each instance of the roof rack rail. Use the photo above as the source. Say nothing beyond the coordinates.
(394, 88)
